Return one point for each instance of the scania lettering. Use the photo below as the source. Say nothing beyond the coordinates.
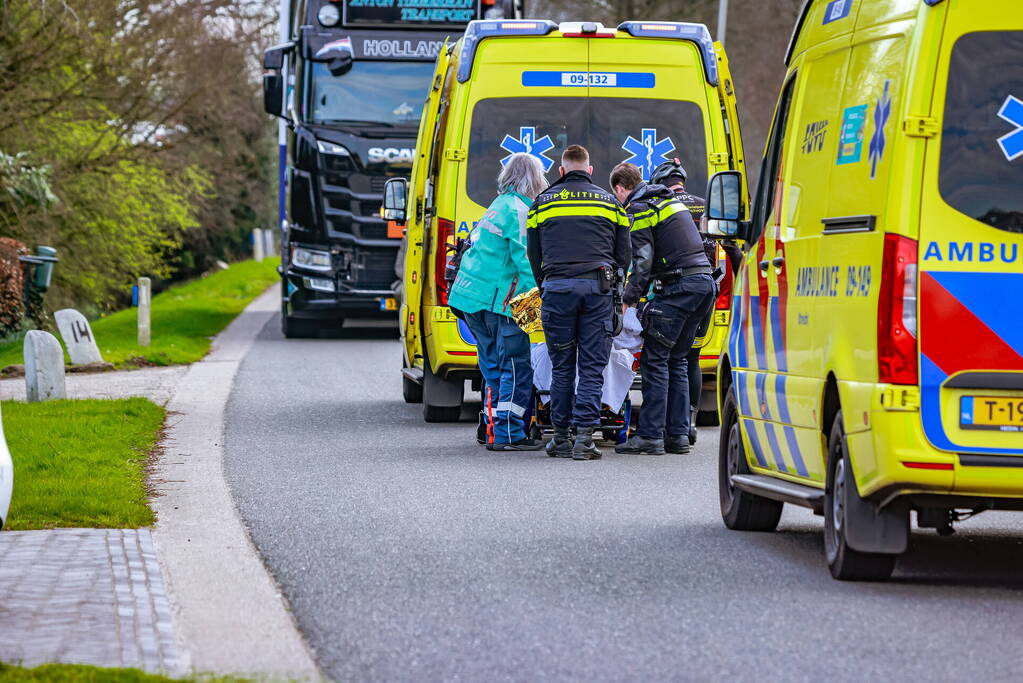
(350, 82)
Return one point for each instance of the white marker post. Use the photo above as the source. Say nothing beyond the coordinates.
(6, 477)
(145, 297)
(77, 336)
(257, 244)
(44, 367)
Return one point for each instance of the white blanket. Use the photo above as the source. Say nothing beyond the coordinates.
(618, 374)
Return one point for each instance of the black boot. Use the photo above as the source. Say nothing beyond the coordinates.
(677, 444)
(584, 448)
(561, 445)
(638, 445)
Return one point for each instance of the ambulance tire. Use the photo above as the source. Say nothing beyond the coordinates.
(411, 390)
(740, 510)
(438, 396)
(845, 563)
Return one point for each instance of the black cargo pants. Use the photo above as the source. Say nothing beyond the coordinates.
(577, 326)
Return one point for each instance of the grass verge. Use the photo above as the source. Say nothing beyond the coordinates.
(184, 318)
(77, 673)
(81, 463)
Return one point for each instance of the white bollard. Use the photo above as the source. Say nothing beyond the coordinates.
(145, 297)
(6, 477)
(44, 367)
(257, 244)
(77, 336)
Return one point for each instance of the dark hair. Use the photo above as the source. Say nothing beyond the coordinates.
(627, 175)
(575, 154)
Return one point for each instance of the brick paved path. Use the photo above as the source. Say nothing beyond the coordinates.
(85, 596)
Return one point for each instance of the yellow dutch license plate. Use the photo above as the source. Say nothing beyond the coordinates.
(991, 412)
(389, 304)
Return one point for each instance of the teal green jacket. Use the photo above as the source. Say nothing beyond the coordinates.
(496, 268)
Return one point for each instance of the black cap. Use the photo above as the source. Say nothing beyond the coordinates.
(666, 170)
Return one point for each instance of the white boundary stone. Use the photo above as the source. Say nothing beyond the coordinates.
(78, 337)
(44, 367)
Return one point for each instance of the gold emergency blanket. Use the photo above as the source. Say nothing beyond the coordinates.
(526, 311)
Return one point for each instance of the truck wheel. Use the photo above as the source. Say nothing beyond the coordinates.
(740, 510)
(296, 328)
(442, 399)
(844, 562)
(411, 390)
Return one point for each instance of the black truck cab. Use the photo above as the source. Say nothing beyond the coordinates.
(350, 85)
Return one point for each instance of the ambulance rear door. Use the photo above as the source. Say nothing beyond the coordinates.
(971, 243)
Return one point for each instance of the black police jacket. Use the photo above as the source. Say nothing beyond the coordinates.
(697, 206)
(664, 238)
(575, 227)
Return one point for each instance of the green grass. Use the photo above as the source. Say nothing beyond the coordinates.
(184, 317)
(77, 673)
(81, 463)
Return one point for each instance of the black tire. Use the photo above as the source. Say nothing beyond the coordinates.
(432, 412)
(297, 328)
(845, 563)
(707, 418)
(741, 511)
(411, 390)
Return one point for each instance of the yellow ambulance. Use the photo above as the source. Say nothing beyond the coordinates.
(642, 92)
(875, 358)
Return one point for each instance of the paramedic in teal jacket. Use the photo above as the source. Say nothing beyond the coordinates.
(493, 271)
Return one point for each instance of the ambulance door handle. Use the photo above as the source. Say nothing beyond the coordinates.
(764, 265)
(778, 261)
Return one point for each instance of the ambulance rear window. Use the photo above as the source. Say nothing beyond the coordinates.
(981, 172)
(643, 132)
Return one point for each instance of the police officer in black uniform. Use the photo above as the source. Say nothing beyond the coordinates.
(672, 175)
(667, 250)
(577, 240)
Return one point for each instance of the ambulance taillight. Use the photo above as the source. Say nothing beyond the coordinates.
(445, 235)
(724, 301)
(896, 312)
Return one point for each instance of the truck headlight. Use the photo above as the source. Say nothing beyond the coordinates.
(310, 258)
(319, 284)
(331, 148)
(329, 15)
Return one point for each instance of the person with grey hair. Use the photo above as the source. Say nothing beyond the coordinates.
(492, 272)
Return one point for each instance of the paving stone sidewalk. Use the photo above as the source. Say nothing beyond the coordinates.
(85, 596)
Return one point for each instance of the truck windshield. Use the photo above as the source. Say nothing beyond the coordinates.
(981, 170)
(382, 93)
(613, 129)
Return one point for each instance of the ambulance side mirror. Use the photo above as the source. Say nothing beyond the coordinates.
(723, 215)
(396, 200)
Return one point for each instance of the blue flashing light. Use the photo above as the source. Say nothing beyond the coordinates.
(490, 28)
(698, 34)
(932, 3)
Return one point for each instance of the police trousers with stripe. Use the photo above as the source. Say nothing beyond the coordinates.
(503, 353)
(670, 323)
(577, 326)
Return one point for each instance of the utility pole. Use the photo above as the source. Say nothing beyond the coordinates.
(722, 20)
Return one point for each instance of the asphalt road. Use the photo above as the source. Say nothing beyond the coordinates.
(407, 552)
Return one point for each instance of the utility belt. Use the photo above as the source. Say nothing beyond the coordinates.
(672, 276)
(604, 276)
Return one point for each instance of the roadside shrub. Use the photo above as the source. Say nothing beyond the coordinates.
(11, 283)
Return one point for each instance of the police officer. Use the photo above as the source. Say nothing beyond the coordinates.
(668, 251)
(672, 175)
(577, 239)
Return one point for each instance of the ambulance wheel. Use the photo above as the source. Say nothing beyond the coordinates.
(740, 510)
(844, 562)
(411, 390)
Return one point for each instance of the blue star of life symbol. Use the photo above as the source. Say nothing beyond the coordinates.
(649, 151)
(528, 144)
(1012, 143)
(882, 112)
